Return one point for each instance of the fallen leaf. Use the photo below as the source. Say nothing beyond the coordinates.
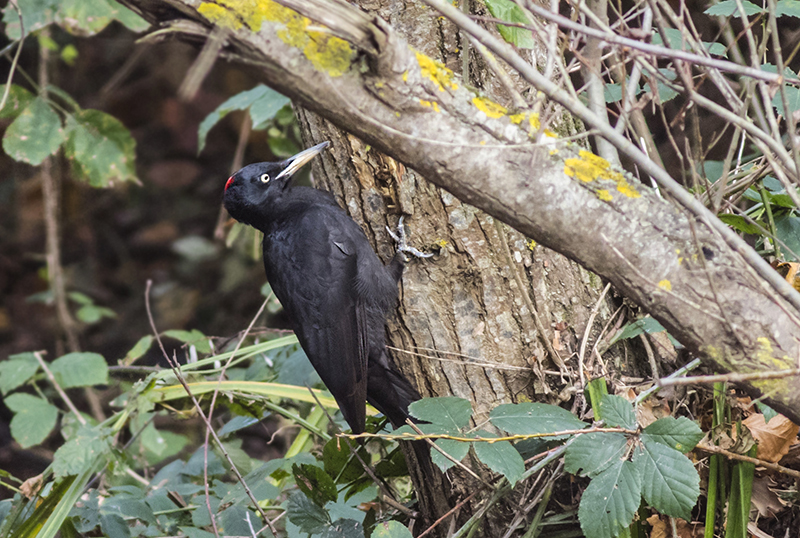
(764, 499)
(774, 437)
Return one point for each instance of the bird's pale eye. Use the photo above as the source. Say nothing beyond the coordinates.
(264, 178)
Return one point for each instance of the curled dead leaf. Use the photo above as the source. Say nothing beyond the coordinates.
(774, 437)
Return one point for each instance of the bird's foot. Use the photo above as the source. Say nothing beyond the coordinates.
(400, 239)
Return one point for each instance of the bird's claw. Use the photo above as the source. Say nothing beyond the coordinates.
(400, 239)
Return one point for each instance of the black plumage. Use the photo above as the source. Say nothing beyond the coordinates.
(331, 283)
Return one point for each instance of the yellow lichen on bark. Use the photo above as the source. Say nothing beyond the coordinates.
(436, 71)
(589, 167)
(326, 52)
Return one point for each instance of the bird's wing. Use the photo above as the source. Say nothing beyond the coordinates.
(311, 263)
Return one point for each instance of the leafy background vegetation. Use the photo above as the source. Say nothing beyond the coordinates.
(96, 115)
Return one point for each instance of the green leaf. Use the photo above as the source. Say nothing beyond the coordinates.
(36, 14)
(113, 526)
(631, 330)
(456, 449)
(508, 11)
(790, 8)
(34, 418)
(792, 98)
(92, 314)
(80, 369)
(36, 133)
(306, 514)
(193, 337)
(592, 453)
(262, 101)
(501, 457)
(678, 433)
(140, 348)
(675, 41)
(787, 228)
(610, 501)
(670, 483)
(344, 528)
(315, 483)
(18, 99)
(17, 370)
(81, 452)
(100, 148)
(768, 412)
(161, 444)
(534, 418)
(258, 483)
(740, 223)
(449, 412)
(617, 411)
(595, 391)
(194, 532)
(612, 92)
(728, 8)
(391, 529)
(88, 17)
(340, 463)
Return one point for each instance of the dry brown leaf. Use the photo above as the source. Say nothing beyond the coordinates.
(661, 528)
(764, 499)
(774, 437)
(31, 486)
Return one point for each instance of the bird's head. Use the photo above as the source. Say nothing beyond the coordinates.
(250, 191)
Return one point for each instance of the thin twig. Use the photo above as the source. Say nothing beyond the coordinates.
(478, 439)
(61, 393)
(582, 354)
(740, 457)
(729, 378)
(176, 370)
(13, 68)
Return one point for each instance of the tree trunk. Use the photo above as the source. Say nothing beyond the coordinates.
(479, 319)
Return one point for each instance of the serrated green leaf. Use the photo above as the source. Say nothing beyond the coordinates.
(34, 419)
(456, 449)
(113, 526)
(534, 418)
(617, 411)
(592, 453)
(80, 369)
(391, 529)
(508, 11)
(315, 483)
(501, 457)
(340, 463)
(17, 370)
(306, 514)
(81, 452)
(35, 134)
(140, 348)
(36, 14)
(610, 501)
(18, 99)
(100, 148)
(727, 8)
(449, 412)
(262, 101)
(790, 8)
(678, 433)
(670, 483)
(740, 223)
(344, 528)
